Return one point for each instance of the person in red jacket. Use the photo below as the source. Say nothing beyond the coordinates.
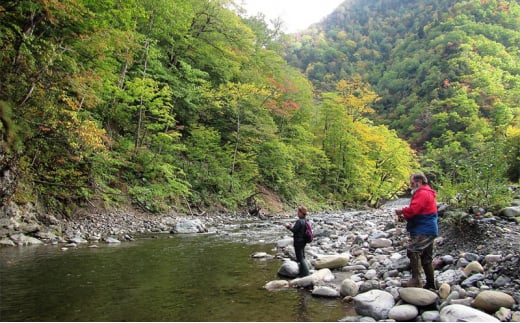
(421, 223)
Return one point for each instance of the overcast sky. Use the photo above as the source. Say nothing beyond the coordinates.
(296, 14)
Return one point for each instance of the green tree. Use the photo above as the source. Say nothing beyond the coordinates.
(368, 163)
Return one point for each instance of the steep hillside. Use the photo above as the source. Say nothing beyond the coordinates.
(447, 72)
(359, 37)
(413, 52)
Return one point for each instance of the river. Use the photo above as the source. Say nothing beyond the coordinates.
(154, 278)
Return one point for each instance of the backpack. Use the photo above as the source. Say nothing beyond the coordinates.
(308, 235)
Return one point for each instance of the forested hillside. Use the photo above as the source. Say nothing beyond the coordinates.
(448, 75)
(190, 105)
(182, 105)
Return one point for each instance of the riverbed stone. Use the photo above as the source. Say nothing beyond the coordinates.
(462, 313)
(504, 314)
(461, 262)
(360, 259)
(94, 237)
(322, 276)
(491, 301)
(401, 263)
(466, 301)
(470, 256)
(402, 313)
(331, 261)
(448, 259)
(325, 291)
(417, 296)
(186, 226)
(391, 273)
(21, 239)
(303, 282)
(374, 303)
(369, 285)
(509, 212)
(276, 285)
(77, 240)
(316, 278)
(444, 290)
(371, 274)
(473, 267)
(349, 287)
(45, 235)
(111, 240)
(431, 316)
(289, 268)
(259, 255)
(353, 268)
(472, 280)
(491, 259)
(29, 227)
(380, 243)
(501, 281)
(452, 296)
(450, 277)
(7, 242)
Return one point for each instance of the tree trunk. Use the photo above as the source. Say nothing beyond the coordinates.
(142, 108)
(232, 172)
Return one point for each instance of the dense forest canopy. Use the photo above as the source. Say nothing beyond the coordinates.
(172, 105)
(447, 73)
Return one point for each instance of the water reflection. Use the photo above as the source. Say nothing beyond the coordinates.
(171, 278)
(301, 313)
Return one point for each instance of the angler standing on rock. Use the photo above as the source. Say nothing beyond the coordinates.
(298, 230)
(421, 217)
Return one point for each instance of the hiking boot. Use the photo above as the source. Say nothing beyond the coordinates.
(304, 268)
(430, 277)
(415, 281)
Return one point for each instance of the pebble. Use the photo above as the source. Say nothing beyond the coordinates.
(492, 301)
(444, 290)
(418, 296)
(403, 313)
(277, 285)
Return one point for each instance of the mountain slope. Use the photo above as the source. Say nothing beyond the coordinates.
(439, 66)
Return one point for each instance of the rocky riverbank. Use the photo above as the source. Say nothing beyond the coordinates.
(358, 256)
(361, 257)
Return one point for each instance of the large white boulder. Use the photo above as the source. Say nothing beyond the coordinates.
(374, 303)
(463, 313)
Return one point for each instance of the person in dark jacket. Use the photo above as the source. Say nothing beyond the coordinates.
(298, 230)
(421, 223)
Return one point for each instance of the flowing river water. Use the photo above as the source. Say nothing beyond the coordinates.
(154, 278)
